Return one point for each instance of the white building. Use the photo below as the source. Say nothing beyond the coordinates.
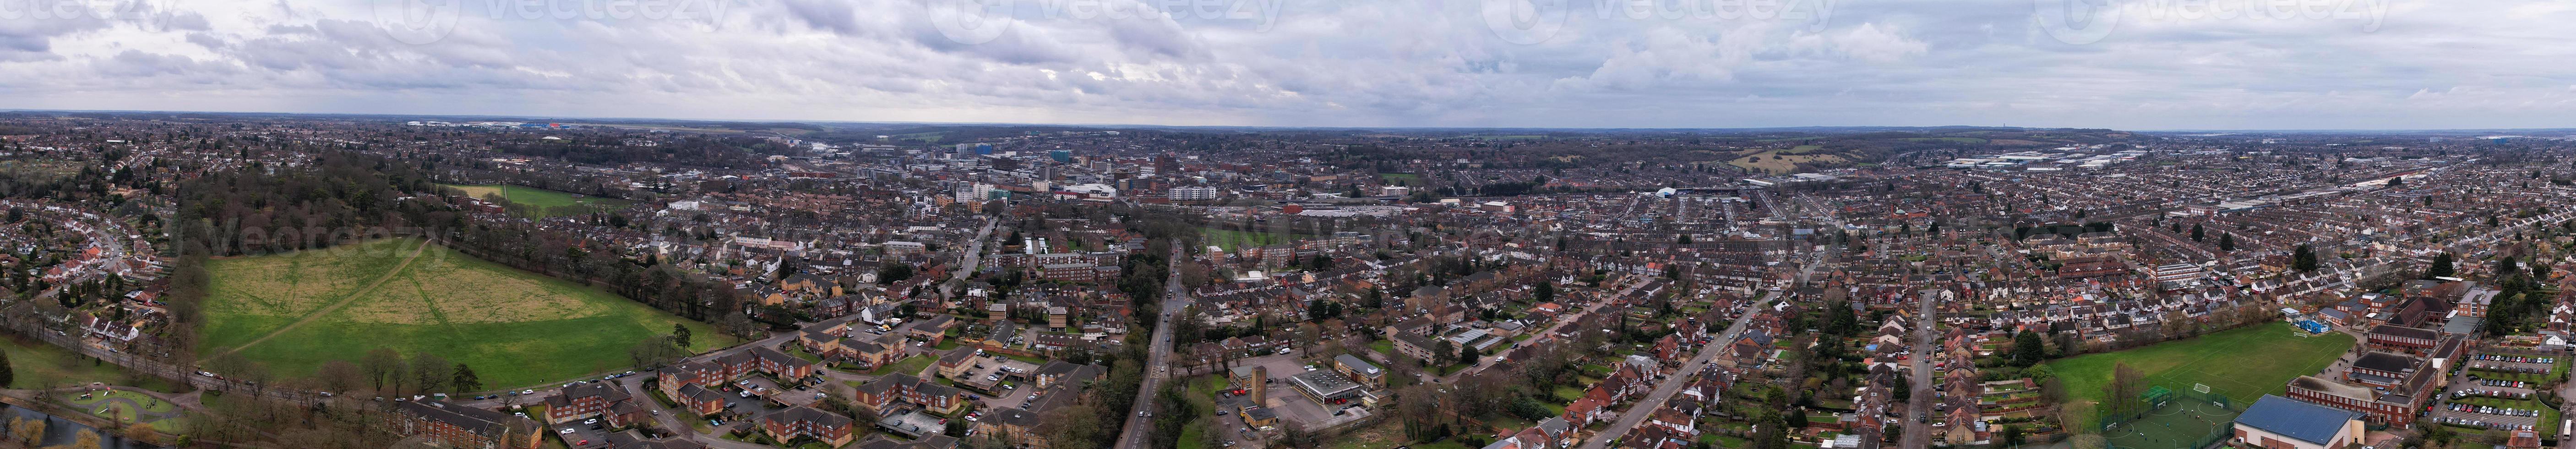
(1192, 193)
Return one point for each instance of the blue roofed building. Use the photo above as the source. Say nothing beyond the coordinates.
(2276, 422)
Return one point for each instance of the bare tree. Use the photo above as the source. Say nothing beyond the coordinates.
(431, 372)
(257, 377)
(339, 376)
(229, 365)
(382, 365)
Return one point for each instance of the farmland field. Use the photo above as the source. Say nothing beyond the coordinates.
(2243, 364)
(295, 311)
(541, 202)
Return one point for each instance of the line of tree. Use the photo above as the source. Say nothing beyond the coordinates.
(694, 151)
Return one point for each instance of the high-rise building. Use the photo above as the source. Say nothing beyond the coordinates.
(1192, 193)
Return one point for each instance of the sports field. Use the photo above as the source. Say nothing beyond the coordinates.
(295, 311)
(1233, 240)
(542, 202)
(2243, 364)
(2180, 424)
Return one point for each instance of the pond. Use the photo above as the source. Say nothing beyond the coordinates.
(60, 432)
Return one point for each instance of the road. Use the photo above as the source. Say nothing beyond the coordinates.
(1158, 356)
(1918, 407)
(974, 255)
(1645, 408)
(1561, 323)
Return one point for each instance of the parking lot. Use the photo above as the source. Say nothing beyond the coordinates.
(1010, 398)
(578, 436)
(990, 373)
(739, 409)
(1295, 409)
(796, 395)
(2465, 391)
(2510, 363)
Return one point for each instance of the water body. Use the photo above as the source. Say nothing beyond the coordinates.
(61, 432)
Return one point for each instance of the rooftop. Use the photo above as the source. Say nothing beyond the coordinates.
(2300, 420)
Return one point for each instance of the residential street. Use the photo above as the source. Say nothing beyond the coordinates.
(1918, 407)
(1643, 409)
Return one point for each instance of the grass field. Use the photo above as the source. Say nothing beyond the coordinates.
(1234, 240)
(1402, 179)
(40, 365)
(542, 202)
(1781, 161)
(2243, 364)
(39, 169)
(99, 405)
(513, 327)
(2181, 424)
(1387, 435)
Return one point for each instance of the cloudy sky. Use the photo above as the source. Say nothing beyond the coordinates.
(2128, 64)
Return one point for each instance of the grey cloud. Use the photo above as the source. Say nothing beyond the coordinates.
(1335, 62)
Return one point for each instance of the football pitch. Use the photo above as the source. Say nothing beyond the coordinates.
(295, 311)
(2243, 364)
(541, 202)
(2181, 424)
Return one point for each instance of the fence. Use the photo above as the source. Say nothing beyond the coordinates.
(2162, 426)
(2178, 397)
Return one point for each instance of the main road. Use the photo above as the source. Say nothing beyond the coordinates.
(1157, 358)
